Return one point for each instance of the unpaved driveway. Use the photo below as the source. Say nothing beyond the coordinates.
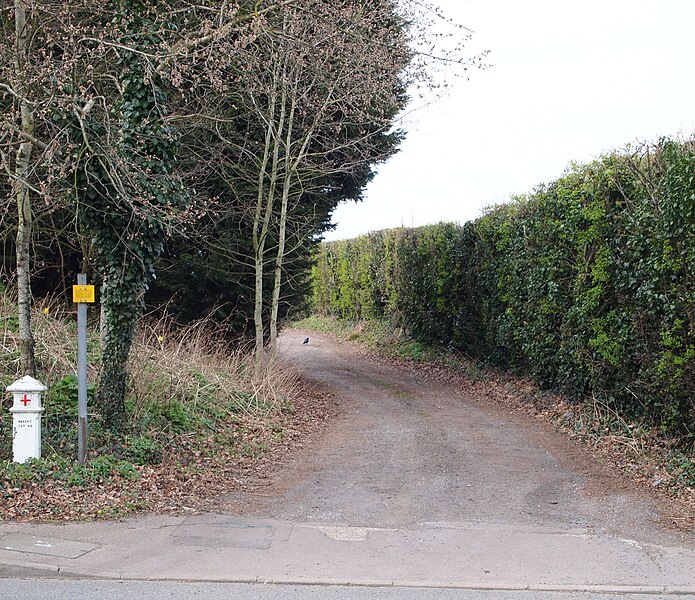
(406, 450)
(412, 482)
(444, 477)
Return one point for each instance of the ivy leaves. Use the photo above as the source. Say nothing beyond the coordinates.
(126, 194)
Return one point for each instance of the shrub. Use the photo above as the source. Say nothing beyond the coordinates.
(585, 283)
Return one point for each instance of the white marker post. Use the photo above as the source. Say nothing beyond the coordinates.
(81, 295)
(26, 418)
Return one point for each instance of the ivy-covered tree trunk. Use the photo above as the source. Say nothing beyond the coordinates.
(129, 195)
(122, 313)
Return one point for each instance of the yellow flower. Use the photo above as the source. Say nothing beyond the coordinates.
(45, 311)
(160, 338)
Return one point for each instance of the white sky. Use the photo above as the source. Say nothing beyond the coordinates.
(570, 81)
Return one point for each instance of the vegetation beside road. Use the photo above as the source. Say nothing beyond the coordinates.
(585, 284)
(197, 420)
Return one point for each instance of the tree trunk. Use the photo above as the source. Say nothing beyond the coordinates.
(24, 226)
(259, 235)
(121, 316)
(282, 230)
(277, 283)
(102, 314)
(264, 210)
(291, 167)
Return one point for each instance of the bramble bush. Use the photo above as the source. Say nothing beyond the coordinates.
(586, 283)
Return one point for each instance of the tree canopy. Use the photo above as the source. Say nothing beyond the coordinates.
(190, 154)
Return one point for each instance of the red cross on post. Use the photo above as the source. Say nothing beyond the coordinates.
(25, 400)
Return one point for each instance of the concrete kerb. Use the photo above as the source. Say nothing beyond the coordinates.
(54, 571)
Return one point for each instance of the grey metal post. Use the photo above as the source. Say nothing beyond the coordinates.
(81, 375)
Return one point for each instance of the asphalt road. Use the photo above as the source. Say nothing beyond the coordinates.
(18, 589)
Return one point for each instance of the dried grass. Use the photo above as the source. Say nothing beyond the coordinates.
(192, 364)
(55, 335)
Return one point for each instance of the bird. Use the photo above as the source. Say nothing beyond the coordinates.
(306, 341)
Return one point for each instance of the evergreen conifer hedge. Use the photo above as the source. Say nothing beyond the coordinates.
(587, 283)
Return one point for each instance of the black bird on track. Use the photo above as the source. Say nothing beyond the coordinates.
(306, 341)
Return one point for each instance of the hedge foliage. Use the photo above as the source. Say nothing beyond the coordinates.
(588, 283)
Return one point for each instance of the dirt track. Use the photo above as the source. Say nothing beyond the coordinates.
(407, 451)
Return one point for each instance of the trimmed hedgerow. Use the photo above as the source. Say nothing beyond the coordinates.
(587, 283)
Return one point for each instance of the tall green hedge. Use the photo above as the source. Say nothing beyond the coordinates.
(588, 283)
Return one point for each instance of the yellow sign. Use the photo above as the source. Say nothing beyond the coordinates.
(83, 294)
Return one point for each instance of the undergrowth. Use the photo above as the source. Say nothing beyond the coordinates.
(191, 400)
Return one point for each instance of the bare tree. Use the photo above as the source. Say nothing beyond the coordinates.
(320, 89)
(25, 145)
(310, 101)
